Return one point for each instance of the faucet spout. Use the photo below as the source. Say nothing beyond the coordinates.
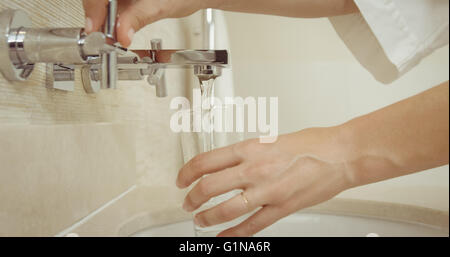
(184, 58)
(207, 64)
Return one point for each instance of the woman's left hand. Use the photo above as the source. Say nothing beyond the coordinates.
(297, 171)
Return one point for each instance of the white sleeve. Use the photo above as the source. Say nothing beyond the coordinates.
(389, 37)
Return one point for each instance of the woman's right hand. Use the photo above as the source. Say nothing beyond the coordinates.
(135, 14)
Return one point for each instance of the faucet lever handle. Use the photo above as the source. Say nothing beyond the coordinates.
(109, 71)
(156, 76)
(110, 22)
(156, 44)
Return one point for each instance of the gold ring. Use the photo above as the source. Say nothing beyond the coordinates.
(244, 198)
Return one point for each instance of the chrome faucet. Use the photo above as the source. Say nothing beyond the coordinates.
(101, 60)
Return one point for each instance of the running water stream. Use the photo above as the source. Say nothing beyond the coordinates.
(207, 141)
(207, 117)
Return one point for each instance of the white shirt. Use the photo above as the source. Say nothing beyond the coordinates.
(389, 37)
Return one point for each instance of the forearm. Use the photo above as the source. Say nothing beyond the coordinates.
(406, 137)
(291, 8)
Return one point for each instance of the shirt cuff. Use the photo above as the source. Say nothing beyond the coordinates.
(379, 38)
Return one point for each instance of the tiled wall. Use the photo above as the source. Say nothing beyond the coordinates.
(64, 155)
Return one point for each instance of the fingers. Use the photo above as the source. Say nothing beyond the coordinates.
(135, 17)
(214, 185)
(257, 222)
(205, 163)
(276, 193)
(270, 213)
(95, 11)
(229, 210)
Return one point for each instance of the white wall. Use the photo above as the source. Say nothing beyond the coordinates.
(319, 83)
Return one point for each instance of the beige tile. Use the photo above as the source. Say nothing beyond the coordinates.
(52, 176)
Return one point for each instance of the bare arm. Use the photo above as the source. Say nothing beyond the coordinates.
(291, 8)
(133, 15)
(406, 137)
(313, 165)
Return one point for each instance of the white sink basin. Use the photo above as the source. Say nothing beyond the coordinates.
(314, 225)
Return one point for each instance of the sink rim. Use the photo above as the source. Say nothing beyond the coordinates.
(388, 211)
(320, 223)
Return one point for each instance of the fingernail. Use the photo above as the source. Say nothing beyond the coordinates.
(131, 34)
(180, 184)
(186, 207)
(198, 222)
(88, 25)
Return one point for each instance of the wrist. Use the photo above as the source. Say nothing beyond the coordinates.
(214, 4)
(338, 145)
(366, 160)
(349, 153)
(330, 146)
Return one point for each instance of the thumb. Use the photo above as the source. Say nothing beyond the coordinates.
(137, 16)
(95, 11)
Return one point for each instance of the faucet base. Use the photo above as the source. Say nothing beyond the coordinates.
(11, 21)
